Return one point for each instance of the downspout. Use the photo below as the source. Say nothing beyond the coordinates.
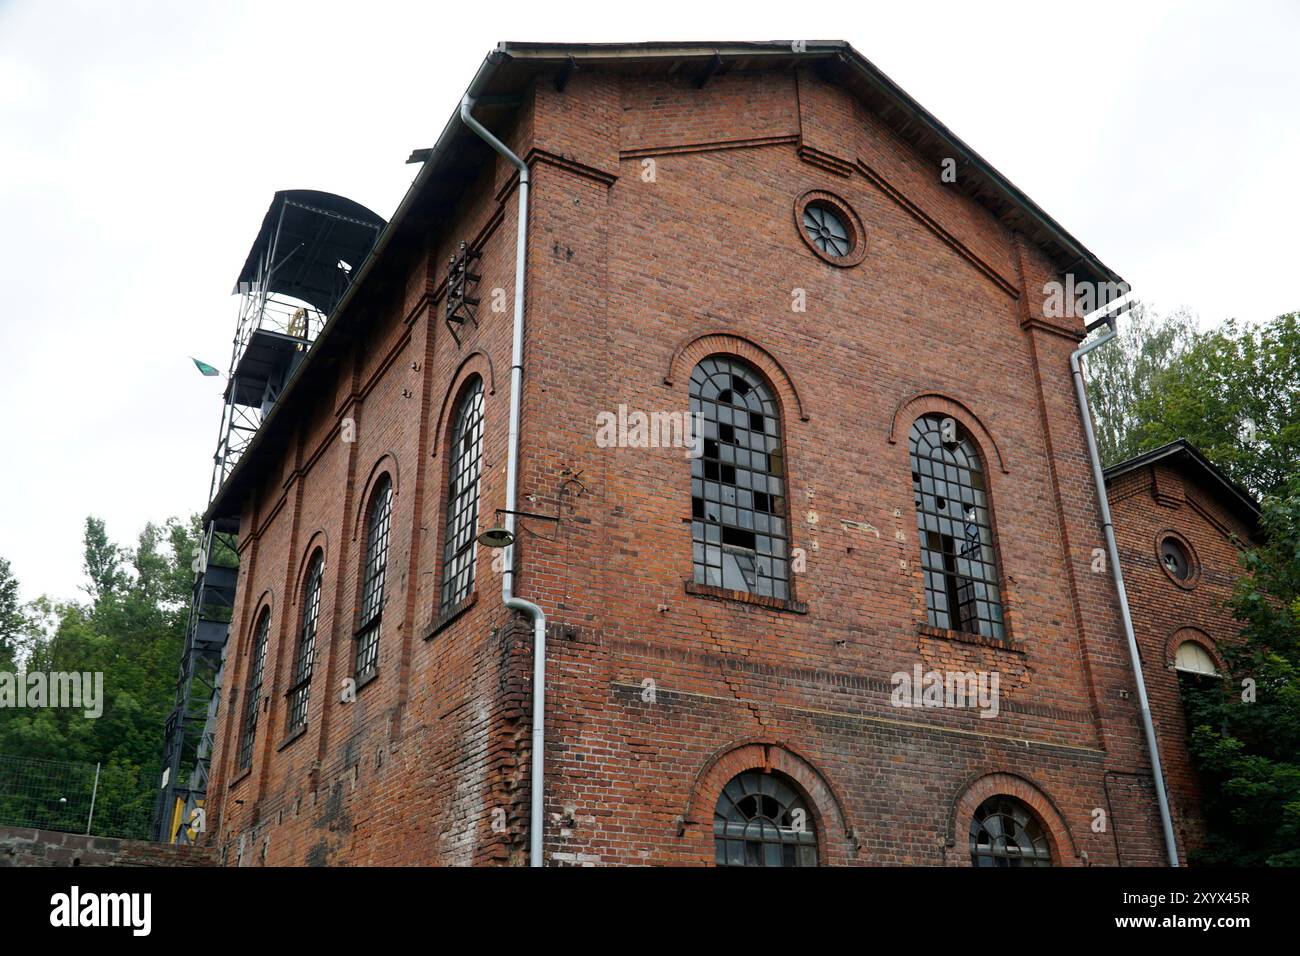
(512, 482)
(1112, 550)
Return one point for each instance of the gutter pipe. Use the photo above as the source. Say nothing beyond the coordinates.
(508, 598)
(1108, 529)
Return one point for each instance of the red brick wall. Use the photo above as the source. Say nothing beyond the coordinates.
(1146, 505)
(630, 282)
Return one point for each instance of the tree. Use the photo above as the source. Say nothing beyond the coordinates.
(1233, 392)
(1127, 371)
(1245, 733)
(102, 561)
(131, 633)
(13, 619)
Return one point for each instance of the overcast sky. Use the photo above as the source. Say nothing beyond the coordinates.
(140, 144)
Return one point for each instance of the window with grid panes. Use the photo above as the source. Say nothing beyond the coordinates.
(761, 819)
(300, 686)
(1004, 832)
(958, 560)
(253, 690)
(466, 451)
(372, 586)
(738, 512)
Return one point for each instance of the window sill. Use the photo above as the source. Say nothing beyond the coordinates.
(368, 677)
(965, 637)
(745, 597)
(293, 735)
(240, 777)
(453, 612)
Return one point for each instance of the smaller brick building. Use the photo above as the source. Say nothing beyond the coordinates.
(1181, 525)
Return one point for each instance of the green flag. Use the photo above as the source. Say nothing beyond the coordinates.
(204, 367)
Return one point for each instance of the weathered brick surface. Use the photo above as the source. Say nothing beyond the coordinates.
(1147, 505)
(23, 846)
(631, 280)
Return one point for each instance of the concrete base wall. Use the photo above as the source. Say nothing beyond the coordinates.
(21, 846)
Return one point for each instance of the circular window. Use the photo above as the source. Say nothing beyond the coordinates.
(827, 230)
(1177, 559)
(830, 227)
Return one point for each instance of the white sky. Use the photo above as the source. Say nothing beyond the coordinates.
(140, 144)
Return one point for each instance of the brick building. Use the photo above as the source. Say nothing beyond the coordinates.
(890, 478)
(1181, 524)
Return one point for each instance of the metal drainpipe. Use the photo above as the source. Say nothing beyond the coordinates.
(1108, 529)
(512, 479)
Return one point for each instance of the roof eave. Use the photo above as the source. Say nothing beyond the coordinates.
(1235, 494)
(225, 503)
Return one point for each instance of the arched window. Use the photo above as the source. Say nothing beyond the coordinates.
(300, 685)
(466, 449)
(253, 690)
(1005, 832)
(952, 517)
(372, 577)
(762, 819)
(1192, 658)
(738, 511)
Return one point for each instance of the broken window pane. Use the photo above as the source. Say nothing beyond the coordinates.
(736, 488)
(959, 561)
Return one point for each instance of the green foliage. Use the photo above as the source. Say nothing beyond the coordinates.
(14, 624)
(1233, 392)
(102, 562)
(1124, 373)
(132, 631)
(1248, 751)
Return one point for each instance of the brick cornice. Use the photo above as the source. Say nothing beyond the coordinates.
(708, 146)
(824, 160)
(925, 219)
(545, 157)
(1030, 322)
(859, 681)
(1035, 324)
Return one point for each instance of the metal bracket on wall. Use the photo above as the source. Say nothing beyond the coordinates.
(462, 284)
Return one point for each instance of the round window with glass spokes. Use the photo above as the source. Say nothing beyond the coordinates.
(827, 230)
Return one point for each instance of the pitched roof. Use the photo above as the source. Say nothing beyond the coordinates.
(1185, 455)
(837, 62)
(457, 158)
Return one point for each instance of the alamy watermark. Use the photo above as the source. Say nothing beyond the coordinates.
(1073, 299)
(73, 690)
(975, 689)
(637, 429)
(132, 911)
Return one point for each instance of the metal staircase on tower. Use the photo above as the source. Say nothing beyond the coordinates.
(295, 274)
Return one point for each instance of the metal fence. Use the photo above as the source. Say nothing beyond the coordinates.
(95, 799)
